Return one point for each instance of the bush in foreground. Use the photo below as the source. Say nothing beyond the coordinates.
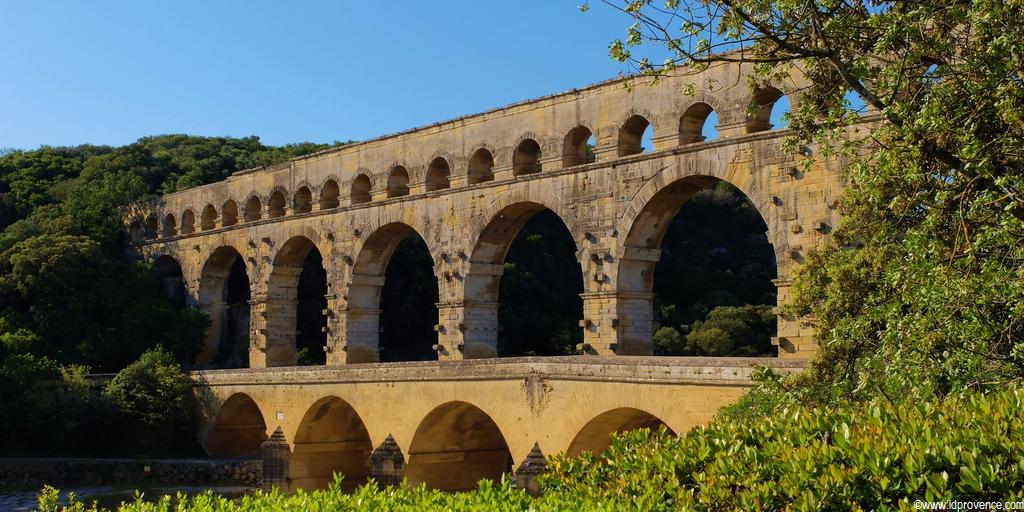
(857, 457)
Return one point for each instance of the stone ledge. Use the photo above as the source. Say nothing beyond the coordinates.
(634, 369)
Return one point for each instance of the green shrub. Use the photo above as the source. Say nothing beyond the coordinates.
(855, 457)
(152, 395)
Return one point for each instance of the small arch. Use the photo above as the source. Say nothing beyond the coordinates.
(693, 126)
(526, 158)
(438, 174)
(763, 103)
(331, 438)
(578, 147)
(455, 446)
(170, 225)
(188, 222)
(151, 228)
(398, 182)
(209, 218)
(632, 135)
(595, 436)
(276, 206)
(303, 200)
(481, 166)
(361, 190)
(229, 213)
(253, 209)
(329, 195)
(238, 430)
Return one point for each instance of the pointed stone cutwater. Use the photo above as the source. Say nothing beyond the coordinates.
(534, 464)
(276, 452)
(387, 464)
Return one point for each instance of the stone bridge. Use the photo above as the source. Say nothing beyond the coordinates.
(466, 187)
(448, 424)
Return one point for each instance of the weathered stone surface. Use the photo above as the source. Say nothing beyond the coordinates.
(449, 423)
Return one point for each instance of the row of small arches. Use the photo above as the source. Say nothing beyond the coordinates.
(578, 146)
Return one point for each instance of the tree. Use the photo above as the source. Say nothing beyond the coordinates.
(922, 293)
(153, 393)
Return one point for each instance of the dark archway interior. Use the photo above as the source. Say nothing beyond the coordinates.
(540, 291)
(172, 280)
(713, 290)
(238, 430)
(408, 304)
(456, 446)
(233, 350)
(595, 436)
(309, 317)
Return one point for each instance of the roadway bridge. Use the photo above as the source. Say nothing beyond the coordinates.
(450, 423)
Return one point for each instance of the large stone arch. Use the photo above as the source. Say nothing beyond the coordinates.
(372, 252)
(487, 245)
(642, 227)
(331, 438)
(455, 445)
(238, 430)
(280, 306)
(213, 297)
(595, 435)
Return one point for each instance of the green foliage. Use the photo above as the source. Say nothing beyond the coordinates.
(733, 331)
(922, 292)
(860, 457)
(153, 394)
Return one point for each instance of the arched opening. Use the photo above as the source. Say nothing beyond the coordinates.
(361, 190)
(766, 102)
(297, 289)
(224, 295)
(701, 247)
(238, 430)
(303, 201)
(595, 436)
(331, 439)
(253, 209)
(634, 136)
(170, 226)
(151, 229)
(172, 279)
(229, 213)
(398, 182)
(135, 231)
(393, 298)
(698, 124)
(209, 218)
(481, 166)
(329, 195)
(438, 174)
(523, 286)
(188, 222)
(456, 446)
(277, 205)
(526, 158)
(309, 317)
(578, 148)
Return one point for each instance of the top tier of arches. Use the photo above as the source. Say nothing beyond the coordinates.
(669, 121)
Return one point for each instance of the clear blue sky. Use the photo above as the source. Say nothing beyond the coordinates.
(111, 72)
